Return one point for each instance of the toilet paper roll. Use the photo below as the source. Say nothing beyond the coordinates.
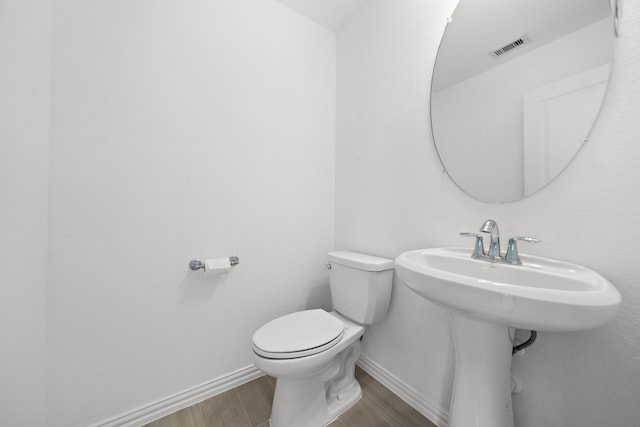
(216, 266)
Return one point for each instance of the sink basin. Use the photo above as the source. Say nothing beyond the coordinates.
(542, 294)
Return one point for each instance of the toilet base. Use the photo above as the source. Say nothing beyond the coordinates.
(344, 401)
(318, 400)
(304, 405)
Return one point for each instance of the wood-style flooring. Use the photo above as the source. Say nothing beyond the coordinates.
(249, 405)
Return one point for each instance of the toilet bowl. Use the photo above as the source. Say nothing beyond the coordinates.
(312, 353)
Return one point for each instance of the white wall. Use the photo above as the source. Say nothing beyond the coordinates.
(181, 130)
(392, 196)
(25, 52)
(490, 105)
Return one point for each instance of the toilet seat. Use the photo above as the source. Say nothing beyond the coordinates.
(299, 334)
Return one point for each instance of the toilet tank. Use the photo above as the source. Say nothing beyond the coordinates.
(360, 285)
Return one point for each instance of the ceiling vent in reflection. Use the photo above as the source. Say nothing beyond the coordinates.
(510, 47)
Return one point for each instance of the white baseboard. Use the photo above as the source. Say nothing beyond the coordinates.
(432, 411)
(156, 410)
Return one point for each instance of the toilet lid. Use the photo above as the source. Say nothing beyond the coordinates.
(298, 334)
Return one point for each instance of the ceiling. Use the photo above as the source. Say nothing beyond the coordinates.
(487, 25)
(331, 14)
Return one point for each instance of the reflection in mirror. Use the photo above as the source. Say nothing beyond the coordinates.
(516, 88)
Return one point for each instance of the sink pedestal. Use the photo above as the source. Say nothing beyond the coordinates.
(482, 379)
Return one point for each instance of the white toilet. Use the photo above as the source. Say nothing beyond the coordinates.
(312, 353)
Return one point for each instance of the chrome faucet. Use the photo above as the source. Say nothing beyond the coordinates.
(493, 254)
(491, 227)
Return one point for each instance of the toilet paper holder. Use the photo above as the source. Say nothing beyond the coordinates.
(197, 264)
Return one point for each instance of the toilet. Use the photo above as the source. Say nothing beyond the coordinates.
(312, 353)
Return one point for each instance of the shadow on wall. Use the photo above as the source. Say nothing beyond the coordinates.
(198, 287)
(319, 295)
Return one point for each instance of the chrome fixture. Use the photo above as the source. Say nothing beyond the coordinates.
(491, 227)
(512, 256)
(478, 249)
(196, 264)
(494, 254)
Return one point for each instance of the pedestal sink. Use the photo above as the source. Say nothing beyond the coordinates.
(485, 299)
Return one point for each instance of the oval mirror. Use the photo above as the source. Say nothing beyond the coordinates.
(516, 88)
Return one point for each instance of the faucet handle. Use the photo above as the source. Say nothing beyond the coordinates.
(478, 248)
(512, 256)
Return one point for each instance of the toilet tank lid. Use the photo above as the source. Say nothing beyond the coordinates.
(360, 261)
